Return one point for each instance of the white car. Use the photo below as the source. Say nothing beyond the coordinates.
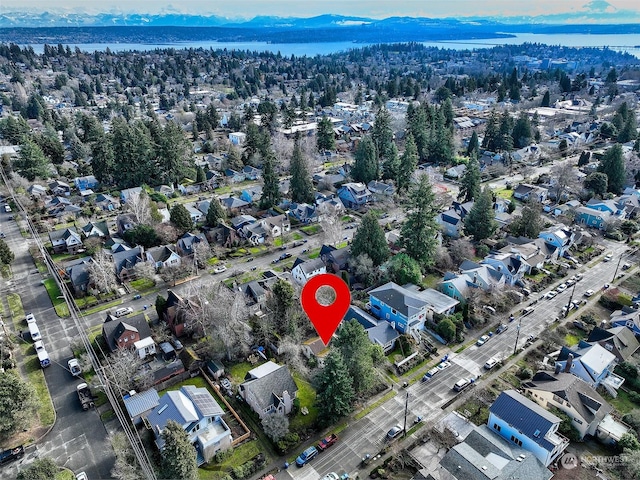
(31, 318)
(578, 277)
(482, 340)
(219, 269)
(551, 294)
(430, 374)
(82, 476)
(331, 476)
(607, 257)
(562, 287)
(443, 365)
(589, 293)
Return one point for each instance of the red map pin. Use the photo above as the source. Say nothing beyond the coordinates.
(325, 318)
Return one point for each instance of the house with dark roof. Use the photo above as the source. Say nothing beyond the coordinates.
(87, 182)
(592, 363)
(620, 341)
(127, 333)
(629, 318)
(164, 256)
(198, 413)
(507, 264)
(379, 332)
(96, 229)
(124, 222)
(303, 270)
(404, 309)
(269, 388)
(78, 275)
(315, 348)
(175, 312)
(483, 455)
(583, 405)
(451, 221)
(255, 293)
(128, 192)
(125, 260)
(526, 424)
(560, 237)
(65, 241)
(354, 195)
(187, 243)
(336, 259)
(59, 187)
(234, 205)
(106, 202)
(525, 192)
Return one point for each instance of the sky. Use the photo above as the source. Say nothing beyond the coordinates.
(308, 8)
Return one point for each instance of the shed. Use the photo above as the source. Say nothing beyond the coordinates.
(167, 351)
(216, 368)
(138, 405)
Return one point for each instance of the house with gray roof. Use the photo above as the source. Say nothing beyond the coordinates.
(96, 230)
(163, 256)
(65, 241)
(128, 192)
(198, 413)
(125, 260)
(303, 270)
(125, 332)
(78, 275)
(592, 363)
(486, 456)
(140, 404)
(585, 407)
(187, 243)
(269, 388)
(406, 310)
(379, 332)
(526, 424)
(620, 341)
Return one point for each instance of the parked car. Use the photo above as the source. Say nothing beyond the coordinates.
(492, 362)
(626, 266)
(527, 311)
(562, 287)
(578, 277)
(443, 365)
(461, 384)
(306, 456)
(137, 296)
(11, 454)
(431, 373)
(225, 383)
(607, 257)
(177, 344)
(589, 293)
(502, 328)
(394, 432)
(331, 476)
(219, 269)
(121, 312)
(550, 294)
(74, 367)
(482, 340)
(327, 442)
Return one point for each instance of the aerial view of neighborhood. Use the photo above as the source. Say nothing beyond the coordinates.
(320, 245)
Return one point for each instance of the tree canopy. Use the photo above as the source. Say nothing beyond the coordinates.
(420, 229)
(612, 164)
(18, 404)
(365, 167)
(325, 139)
(178, 455)
(480, 222)
(528, 224)
(403, 269)
(470, 181)
(301, 184)
(358, 354)
(181, 218)
(335, 392)
(370, 239)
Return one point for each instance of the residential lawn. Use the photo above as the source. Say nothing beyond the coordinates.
(63, 257)
(212, 261)
(104, 306)
(430, 280)
(296, 236)
(240, 455)
(143, 284)
(239, 371)
(64, 475)
(315, 253)
(475, 410)
(54, 292)
(85, 301)
(257, 250)
(35, 377)
(198, 381)
(346, 219)
(94, 332)
(15, 306)
(311, 229)
(622, 402)
(240, 279)
(504, 193)
(632, 283)
(570, 339)
(342, 244)
(307, 397)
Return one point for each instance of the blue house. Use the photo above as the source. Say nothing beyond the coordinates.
(85, 183)
(561, 238)
(233, 176)
(592, 363)
(593, 218)
(454, 286)
(523, 422)
(379, 332)
(406, 310)
(622, 318)
(354, 195)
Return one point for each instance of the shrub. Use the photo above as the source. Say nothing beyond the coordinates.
(524, 373)
(482, 250)
(634, 397)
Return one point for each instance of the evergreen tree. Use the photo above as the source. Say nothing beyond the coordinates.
(325, 139)
(629, 130)
(382, 134)
(181, 218)
(420, 229)
(528, 224)
(301, 184)
(521, 133)
(470, 181)
(479, 222)
(474, 146)
(178, 455)
(365, 167)
(419, 129)
(215, 213)
(358, 354)
(6, 255)
(370, 240)
(270, 188)
(13, 129)
(440, 141)
(103, 161)
(403, 269)
(391, 164)
(546, 99)
(201, 177)
(334, 390)
(172, 153)
(31, 161)
(408, 164)
(491, 140)
(612, 164)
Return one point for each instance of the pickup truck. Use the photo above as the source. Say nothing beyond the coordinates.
(327, 442)
(11, 454)
(85, 396)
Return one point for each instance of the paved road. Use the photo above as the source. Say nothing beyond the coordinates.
(78, 439)
(425, 399)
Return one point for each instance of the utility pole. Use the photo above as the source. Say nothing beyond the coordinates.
(515, 347)
(617, 266)
(566, 313)
(406, 408)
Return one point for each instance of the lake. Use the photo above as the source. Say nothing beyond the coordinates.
(624, 43)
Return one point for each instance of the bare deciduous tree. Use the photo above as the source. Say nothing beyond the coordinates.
(275, 425)
(138, 204)
(102, 274)
(126, 466)
(145, 270)
(564, 178)
(331, 223)
(124, 371)
(461, 249)
(201, 254)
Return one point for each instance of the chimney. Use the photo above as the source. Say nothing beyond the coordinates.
(567, 367)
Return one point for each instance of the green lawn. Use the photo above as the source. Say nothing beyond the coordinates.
(342, 244)
(311, 229)
(35, 376)
(431, 280)
(198, 381)
(54, 292)
(5, 270)
(307, 397)
(240, 455)
(142, 284)
(64, 475)
(15, 306)
(570, 339)
(504, 193)
(622, 402)
(315, 253)
(212, 261)
(296, 236)
(239, 371)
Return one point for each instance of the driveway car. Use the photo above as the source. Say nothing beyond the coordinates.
(306, 456)
(589, 293)
(394, 432)
(461, 384)
(482, 340)
(30, 318)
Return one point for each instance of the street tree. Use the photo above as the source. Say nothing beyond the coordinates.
(102, 276)
(408, 164)
(126, 466)
(365, 167)
(420, 229)
(18, 404)
(275, 425)
(181, 218)
(215, 213)
(178, 455)
(597, 183)
(370, 239)
(6, 255)
(528, 224)
(403, 269)
(470, 181)
(479, 222)
(565, 179)
(335, 392)
(359, 355)
(612, 164)
(31, 161)
(40, 469)
(301, 185)
(325, 139)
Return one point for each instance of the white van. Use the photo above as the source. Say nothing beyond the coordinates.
(43, 356)
(34, 331)
(492, 362)
(461, 384)
(121, 312)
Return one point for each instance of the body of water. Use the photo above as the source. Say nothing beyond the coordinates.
(624, 43)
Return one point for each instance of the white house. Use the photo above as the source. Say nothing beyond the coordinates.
(302, 270)
(269, 388)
